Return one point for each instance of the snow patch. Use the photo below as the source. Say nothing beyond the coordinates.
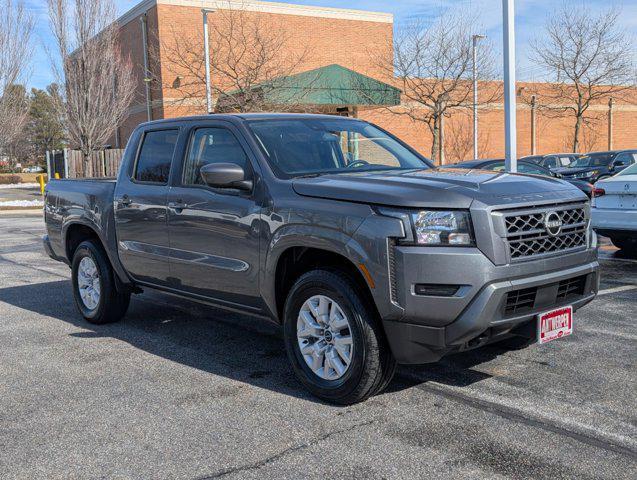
(21, 203)
(20, 185)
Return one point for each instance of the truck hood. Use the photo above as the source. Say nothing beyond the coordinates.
(566, 171)
(436, 188)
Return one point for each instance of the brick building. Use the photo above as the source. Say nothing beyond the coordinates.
(341, 43)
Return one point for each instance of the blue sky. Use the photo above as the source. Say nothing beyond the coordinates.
(530, 15)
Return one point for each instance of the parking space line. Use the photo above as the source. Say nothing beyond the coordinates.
(623, 288)
(584, 435)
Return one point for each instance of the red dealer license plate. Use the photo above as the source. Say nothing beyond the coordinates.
(555, 324)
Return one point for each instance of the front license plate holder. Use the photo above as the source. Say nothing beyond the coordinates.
(554, 324)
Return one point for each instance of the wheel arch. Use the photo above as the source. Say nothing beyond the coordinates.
(295, 260)
(76, 232)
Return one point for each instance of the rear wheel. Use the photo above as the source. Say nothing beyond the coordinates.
(334, 339)
(94, 290)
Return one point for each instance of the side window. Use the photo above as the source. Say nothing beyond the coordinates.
(551, 162)
(155, 156)
(622, 159)
(530, 169)
(496, 167)
(211, 145)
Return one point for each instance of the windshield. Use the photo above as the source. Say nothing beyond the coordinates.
(303, 146)
(592, 160)
(632, 170)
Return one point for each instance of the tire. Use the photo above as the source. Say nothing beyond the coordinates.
(102, 302)
(371, 364)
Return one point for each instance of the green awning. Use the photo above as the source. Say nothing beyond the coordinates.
(331, 85)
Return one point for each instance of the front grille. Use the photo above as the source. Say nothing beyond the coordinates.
(519, 301)
(571, 287)
(544, 297)
(527, 234)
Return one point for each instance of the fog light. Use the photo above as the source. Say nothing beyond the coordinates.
(435, 290)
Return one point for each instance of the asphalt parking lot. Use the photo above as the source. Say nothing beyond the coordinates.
(179, 390)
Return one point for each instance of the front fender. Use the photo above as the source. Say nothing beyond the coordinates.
(367, 245)
(309, 236)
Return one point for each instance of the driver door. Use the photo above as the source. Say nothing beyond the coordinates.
(214, 232)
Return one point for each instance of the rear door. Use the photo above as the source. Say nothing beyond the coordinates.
(214, 233)
(141, 219)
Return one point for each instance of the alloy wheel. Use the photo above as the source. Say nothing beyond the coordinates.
(324, 336)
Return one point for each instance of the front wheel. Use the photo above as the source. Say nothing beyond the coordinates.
(96, 296)
(334, 339)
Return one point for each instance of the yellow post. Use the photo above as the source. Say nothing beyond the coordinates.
(57, 176)
(41, 182)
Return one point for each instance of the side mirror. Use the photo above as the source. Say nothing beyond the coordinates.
(225, 175)
(611, 167)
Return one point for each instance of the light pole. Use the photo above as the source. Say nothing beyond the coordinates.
(474, 40)
(205, 12)
(510, 149)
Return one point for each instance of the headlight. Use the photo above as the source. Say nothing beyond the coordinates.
(586, 174)
(434, 227)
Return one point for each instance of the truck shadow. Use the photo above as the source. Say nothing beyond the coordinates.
(216, 341)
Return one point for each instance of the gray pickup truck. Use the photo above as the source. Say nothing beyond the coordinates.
(366, 254)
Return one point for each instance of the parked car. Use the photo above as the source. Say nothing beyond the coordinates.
(614, 212)
(526, 168)
(595, 166)
(553, 160)
(33, 169)
(365, 254)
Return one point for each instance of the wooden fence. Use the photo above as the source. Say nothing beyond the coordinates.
(104, 163)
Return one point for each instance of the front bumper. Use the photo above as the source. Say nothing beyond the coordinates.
(433, 326)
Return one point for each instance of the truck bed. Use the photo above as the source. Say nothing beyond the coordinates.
(87, 201)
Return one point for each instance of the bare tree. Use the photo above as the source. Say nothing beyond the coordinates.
(589, 136)
(16, 26)
(587, 58)
(98, 80)
(251, 62)
(458, 137)
(433, 65)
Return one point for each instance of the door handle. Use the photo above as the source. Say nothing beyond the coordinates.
(178, 206)
(125, 201)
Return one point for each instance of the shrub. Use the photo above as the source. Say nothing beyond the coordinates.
(10, 179)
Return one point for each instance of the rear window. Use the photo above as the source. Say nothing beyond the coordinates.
(155, 156)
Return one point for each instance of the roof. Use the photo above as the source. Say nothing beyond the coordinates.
(264, 7)
(245, 116)
(329, 85)
(611, 152)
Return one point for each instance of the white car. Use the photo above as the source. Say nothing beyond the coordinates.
(614, 212)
